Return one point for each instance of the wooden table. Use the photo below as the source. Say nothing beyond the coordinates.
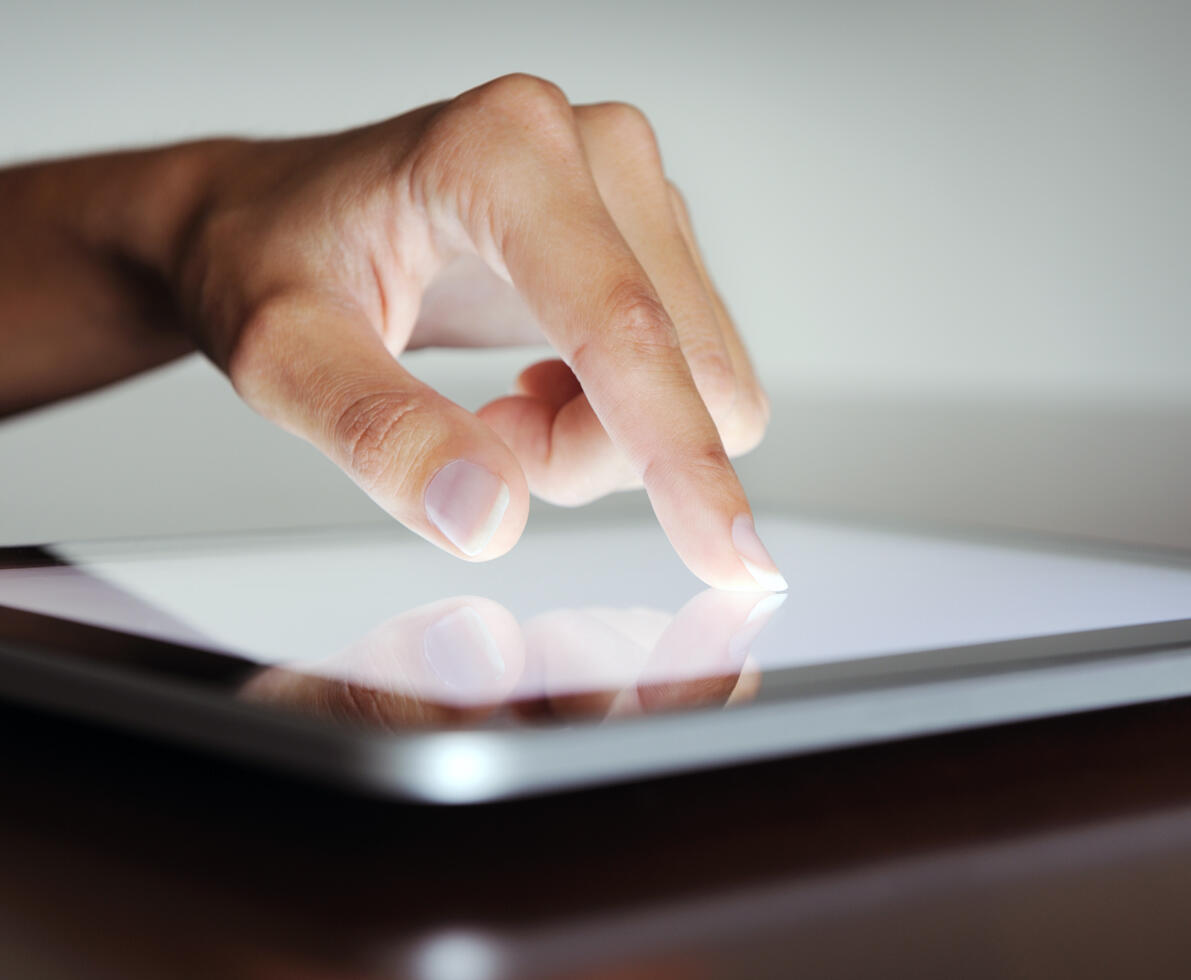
(1051, 849)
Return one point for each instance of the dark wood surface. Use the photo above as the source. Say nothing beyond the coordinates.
(1057, 848)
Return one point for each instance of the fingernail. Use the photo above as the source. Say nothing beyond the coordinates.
(462, 653)
(466, 502)
(758, 616)
(754, 557)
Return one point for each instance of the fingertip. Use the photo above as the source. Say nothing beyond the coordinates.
(730, 571)
(755, 557)
(706, 517)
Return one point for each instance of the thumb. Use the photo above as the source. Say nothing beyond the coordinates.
(316, 367)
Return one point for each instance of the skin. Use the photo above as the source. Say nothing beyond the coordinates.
(303, 267)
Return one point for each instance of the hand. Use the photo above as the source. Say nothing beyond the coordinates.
(486, 219)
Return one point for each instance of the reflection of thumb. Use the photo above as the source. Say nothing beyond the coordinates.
(464, 656)
(425, 665)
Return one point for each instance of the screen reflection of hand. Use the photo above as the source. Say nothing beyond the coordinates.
(465, 659)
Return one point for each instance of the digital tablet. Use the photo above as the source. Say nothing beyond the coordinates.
(587, 655)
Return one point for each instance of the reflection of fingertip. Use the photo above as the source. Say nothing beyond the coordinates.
(767, 607)
(769, 581)
(463, 654)
(748, 683)
(759, 615)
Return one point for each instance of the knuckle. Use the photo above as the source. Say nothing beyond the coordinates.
(637, 321)
(716, 380)
(705, 465)
(365, 434)
(681, 211)
(746, 429)
(762, 409)
(711, 460)
(625, 123)
(747, 423)
(489, 131)
(676, 195)
(636, 329)
(527, 97)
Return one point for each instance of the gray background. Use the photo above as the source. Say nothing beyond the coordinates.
(956, 235)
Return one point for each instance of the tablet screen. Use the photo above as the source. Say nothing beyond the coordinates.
(599, 621)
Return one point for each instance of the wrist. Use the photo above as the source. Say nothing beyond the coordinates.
(164, 195)
(137, 206)
(86, 287)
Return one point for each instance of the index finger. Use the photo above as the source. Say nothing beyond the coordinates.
(546, 225)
